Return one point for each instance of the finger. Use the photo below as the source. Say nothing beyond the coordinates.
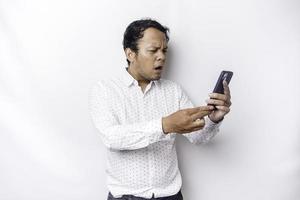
(223, 108)
(191, 111)
(200, 114)
(215, 102)
(195, 110)
(197, 128)
(228, 104)
(218, 96)
(198, 123)
(205, 108)
(226, 88)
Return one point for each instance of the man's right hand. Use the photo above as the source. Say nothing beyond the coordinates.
(186, 120)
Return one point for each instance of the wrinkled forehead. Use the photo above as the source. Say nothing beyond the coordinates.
(153, 37)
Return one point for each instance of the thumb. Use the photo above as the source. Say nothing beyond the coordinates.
(199, 122)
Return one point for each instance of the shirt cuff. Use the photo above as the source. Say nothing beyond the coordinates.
(156, 132)
(212, 126)
(210, 122)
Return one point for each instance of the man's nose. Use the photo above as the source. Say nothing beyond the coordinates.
(161, 56)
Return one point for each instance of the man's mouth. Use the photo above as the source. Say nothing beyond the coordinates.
(158, 68)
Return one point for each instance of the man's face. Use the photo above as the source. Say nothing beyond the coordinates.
(151, 56)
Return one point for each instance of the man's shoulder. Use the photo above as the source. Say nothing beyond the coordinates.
(107, 81)
(104, 85)
(169, 83)
(110, 81)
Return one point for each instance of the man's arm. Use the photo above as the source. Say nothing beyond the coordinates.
(120, 136)
(207, 132)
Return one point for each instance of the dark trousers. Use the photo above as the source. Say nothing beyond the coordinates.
(177, 196)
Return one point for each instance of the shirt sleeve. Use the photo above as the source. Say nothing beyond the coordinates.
(120, 136)
(209, 130)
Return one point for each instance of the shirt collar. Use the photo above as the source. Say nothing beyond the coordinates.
(129, 80)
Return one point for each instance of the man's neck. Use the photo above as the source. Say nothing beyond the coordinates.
(142, 82)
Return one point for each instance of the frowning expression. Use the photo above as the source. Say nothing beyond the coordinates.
(149, 61)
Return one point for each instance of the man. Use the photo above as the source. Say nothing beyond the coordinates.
(139, 114)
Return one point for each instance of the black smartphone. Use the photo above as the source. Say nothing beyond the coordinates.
(225, 75)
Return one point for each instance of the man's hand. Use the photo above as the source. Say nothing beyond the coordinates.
(221, 102)
(186, 120)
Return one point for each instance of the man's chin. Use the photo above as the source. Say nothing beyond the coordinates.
(156, 78)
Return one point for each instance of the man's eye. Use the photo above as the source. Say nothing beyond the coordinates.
(152, 50)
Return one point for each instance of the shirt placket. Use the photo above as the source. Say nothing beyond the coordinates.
(145, 99)
(144, 117)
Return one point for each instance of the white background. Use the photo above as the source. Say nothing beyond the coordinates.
(51, 52)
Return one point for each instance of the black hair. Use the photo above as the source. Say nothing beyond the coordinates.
(135, 31)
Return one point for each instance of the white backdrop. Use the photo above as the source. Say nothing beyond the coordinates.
(51, 52)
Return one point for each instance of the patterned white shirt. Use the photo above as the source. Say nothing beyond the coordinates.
(141, 159)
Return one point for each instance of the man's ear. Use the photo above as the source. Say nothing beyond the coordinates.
(130, 55)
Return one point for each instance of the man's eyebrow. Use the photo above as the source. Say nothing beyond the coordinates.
(156, 47)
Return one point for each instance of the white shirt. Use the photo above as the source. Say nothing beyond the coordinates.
(141, 159)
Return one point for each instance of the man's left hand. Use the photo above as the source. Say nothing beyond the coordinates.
(221, 102)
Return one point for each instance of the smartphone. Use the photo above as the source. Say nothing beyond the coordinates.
(225, 75)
